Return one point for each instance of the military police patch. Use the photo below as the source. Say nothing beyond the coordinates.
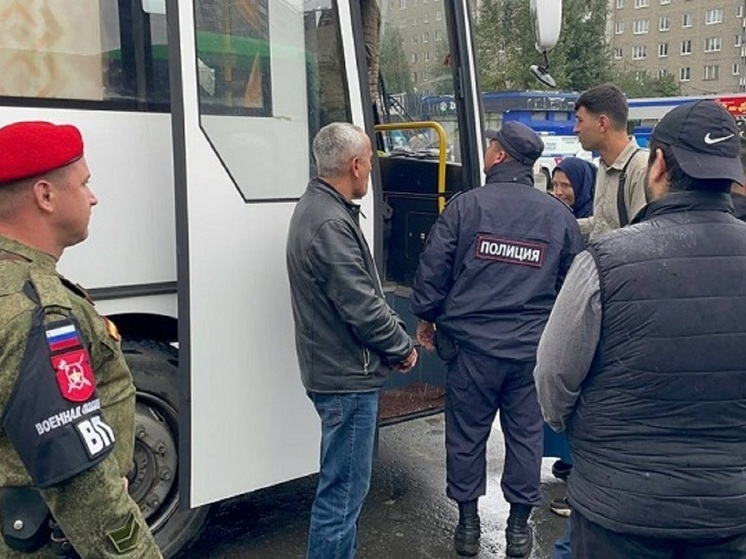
(74, 375)
(70, 361)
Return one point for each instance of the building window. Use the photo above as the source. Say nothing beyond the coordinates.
(438, 16)
(736, 69)
(712, 72)
(641, 4)
(619, 27)
(687, 20)
(414, 57)
(663, 49)
(638, 53)
(664, 2)
(664, 23)
(426, 37)
(736, 40)
(619, 4)
(618, 53)
(402, 4)
(640, 27)
(685, 74)
(686, 47)
(438, 35)
(739, 11)
(712, 44)
(713, 16)
(662, 73)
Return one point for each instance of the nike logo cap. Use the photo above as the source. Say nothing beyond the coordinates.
(705, 140)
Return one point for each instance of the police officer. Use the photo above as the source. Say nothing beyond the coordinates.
(487, 278)
(66, 395)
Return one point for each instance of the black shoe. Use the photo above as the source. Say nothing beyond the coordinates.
(466, 537)
(518, 534)
(561, 470)
(560, 506)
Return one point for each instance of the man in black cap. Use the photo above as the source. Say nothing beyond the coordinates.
(491, 268)
(643, 360)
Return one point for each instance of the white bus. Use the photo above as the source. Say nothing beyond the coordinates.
(198, 117)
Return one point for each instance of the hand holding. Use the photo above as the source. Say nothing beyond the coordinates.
(410, 361)
(426, 334)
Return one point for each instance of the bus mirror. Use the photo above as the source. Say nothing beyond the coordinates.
(542, 74)
(154, 6)
(547, 16)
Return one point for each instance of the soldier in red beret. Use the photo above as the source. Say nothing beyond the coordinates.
(67, 400)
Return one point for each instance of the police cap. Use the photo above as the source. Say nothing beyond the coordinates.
(522, 143)
(31, 148)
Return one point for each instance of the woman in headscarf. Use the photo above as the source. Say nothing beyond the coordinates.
(574, 182)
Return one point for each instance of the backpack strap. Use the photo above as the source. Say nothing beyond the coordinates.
(621, 206)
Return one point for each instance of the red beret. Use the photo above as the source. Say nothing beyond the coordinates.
(32, 148)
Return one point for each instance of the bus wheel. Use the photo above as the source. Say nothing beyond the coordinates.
(154, 479)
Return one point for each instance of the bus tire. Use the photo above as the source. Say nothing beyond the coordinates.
(154, 479)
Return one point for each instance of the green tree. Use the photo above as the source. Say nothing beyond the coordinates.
(637, 83)
(395, 68)
(505, 45)
(581, 58)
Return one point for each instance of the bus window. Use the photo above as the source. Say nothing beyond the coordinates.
(105, 51)
(415, 67)
(270, 75)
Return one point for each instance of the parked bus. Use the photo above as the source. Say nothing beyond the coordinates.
(644, 113)
(198, 117)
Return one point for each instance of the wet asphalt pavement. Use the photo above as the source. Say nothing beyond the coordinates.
(406, 514)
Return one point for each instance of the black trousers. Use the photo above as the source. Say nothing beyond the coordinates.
(592, 541)
(477, 387)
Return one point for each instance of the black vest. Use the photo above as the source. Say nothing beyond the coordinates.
(659, 433)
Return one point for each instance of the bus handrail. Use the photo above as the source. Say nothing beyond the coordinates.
(440, 131)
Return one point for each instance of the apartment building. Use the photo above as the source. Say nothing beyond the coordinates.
(699, 42)
(422, 27)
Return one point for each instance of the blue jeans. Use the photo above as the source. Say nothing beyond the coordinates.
(348, 431)
(561, 548)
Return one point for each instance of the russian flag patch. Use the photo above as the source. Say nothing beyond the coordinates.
(62, 337)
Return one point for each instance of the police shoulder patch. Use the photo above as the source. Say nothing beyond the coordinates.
(125, 538)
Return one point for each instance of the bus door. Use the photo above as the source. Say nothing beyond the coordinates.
(430, 148)
(252, 83)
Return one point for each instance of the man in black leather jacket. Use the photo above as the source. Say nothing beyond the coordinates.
(491, 268)
(346, 336)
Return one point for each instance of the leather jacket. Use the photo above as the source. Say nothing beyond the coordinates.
(346, 335)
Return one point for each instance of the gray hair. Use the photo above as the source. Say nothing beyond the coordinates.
(335, 145)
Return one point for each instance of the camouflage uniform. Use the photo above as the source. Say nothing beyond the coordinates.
(91, 507)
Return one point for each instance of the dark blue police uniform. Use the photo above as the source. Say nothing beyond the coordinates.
(488, 277)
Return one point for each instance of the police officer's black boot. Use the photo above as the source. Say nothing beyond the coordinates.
(518, 534)
(466, 538)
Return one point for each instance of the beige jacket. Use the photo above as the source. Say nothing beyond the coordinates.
(605, 213)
